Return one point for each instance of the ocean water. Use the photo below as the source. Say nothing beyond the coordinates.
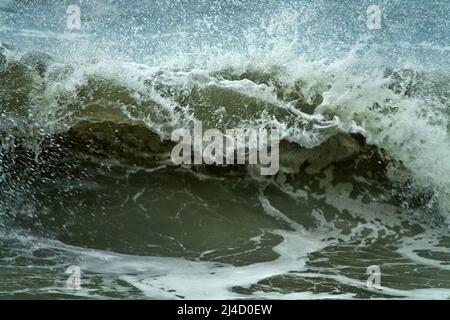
(86, 117)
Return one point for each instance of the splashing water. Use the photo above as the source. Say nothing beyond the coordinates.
(86, 118)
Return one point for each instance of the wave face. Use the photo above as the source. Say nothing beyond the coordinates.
(86, 119)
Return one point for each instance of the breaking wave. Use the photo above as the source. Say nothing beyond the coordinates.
(335, 110)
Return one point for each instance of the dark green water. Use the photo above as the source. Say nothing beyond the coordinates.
(86, 179)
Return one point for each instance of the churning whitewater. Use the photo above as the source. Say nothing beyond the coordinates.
(86, 124)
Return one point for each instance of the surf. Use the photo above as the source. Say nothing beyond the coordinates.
(86, 176)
